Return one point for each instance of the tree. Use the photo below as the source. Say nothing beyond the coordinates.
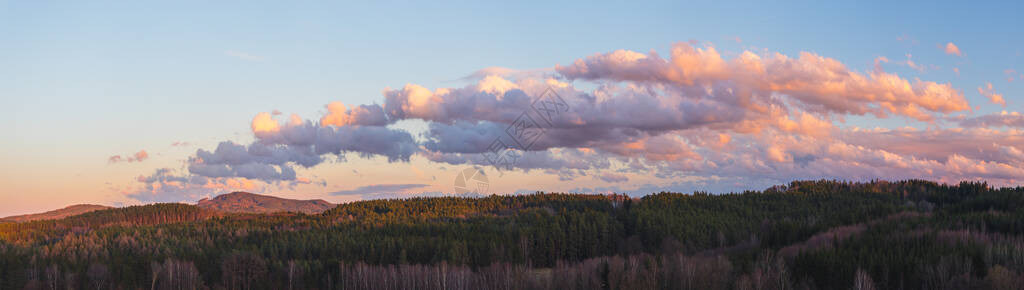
(243, 270)
(862, 281)
(1000, 278)
(154, 269)
(180, 275)
(99, 275)
(294, 271)
(53, 277)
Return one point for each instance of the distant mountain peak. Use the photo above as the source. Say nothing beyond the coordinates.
(246, 202)
(71, 210)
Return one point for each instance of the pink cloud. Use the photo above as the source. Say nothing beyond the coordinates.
(822, 84)
(1002, 119)
(756, 116)
(264, 124)
(612, 177)
(137, 157)
(340, 115)
(165, 185)
(992, 96)
(910, 63)
(952, 49)
(878, 63)
(979, 143)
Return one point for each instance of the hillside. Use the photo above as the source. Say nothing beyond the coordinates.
(804, 235)
(244, 202)
(56, 214)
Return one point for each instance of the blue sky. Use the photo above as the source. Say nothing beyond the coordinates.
(80, 82)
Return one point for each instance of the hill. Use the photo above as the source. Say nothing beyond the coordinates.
(56, 214)
(823, 234)
(244, 202)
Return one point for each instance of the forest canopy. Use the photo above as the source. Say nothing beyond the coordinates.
(807, 234)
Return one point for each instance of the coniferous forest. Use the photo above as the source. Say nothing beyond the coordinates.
(804, 235)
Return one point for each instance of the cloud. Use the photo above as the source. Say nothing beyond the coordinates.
(363, 115)
(785, 157)
(380, 189)
(992, 96)
(913, 65)
(878, 63)
(1012, 74)
(820, 84)
(264, 124)
(939, 144)
(140, 156)
(137, 157)
(612, 177)
(166, 185)
(952, 49)
(280, 147)
(756, 118)
(1003, 119)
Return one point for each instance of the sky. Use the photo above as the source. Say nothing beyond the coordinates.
(123, 103)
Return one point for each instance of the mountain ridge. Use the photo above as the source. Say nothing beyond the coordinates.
(246, 202)
(71, 210)
(235, 202)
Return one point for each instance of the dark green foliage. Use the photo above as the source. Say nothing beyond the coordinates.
(818, 234)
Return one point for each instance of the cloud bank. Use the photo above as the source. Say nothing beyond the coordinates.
(695, 114)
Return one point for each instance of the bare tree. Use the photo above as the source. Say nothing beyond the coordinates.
(862, 281)
(770, 272)
(99, 275)
(293, 271)
(683, 272)
(243, 270)
(154, 269)
(180, 275)
(951, 272)
(52, 277)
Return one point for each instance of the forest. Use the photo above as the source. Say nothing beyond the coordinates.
(822, 234)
